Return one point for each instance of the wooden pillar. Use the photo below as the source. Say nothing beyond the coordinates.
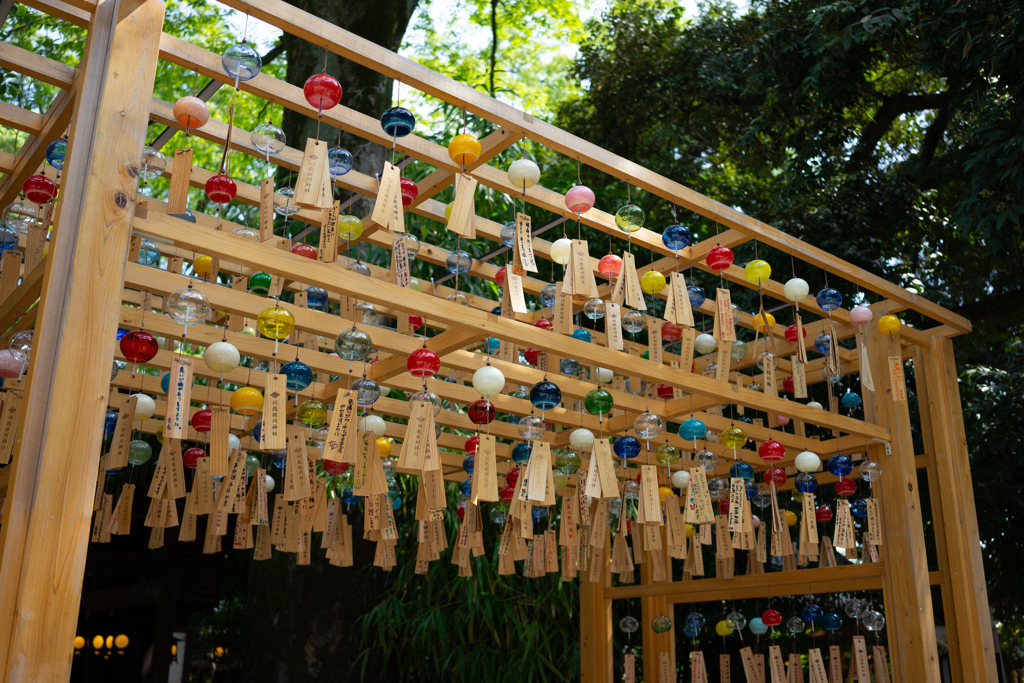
(939, 515)
(953, 492)
(46, 529)
(656, 644)
(909, 617)
(596, 623)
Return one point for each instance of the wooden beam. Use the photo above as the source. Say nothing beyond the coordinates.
(34, 65)
(49, 505)
(909, 614)
(295, 21)
(596, 621)
(386, 294)
(954, 498)
(33, 152)
(776, 584)
(20, 119)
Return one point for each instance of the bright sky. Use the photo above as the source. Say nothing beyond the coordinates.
(264, 35)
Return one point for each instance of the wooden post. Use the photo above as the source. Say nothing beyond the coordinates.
(909, 617)
(596, 625)
(46, 526)
(655, 644)
(939, 515)
(954, 494)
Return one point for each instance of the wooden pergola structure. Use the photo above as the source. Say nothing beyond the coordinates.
(78, 287)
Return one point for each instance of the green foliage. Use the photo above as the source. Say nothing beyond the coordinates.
(440, 627)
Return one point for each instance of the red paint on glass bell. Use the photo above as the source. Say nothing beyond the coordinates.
(202, 420)
(791, 334)
(512, 476)
(409, 191)
(532, 356)
(415, 322)
(322, 91)
(461, 511)
(771, 617)
(499, 277)
(139, 346)
(723, 506)
(775, 474)
(220, 189)
(664, 391)
(191, 457)
(471, 445)
(39, 189)
(846, 487)
(823, 513)
(670, 332)
(787, 383)
(719, 258)
(609, 266)
(543, 324)
(481, 412)
(772, 451)
(333, 467)
(507, 494)
(303, 249)
(423, 363)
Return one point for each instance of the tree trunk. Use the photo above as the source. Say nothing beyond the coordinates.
(300, 623)
(363, 90)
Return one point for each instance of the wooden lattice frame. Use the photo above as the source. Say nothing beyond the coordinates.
(107, 101)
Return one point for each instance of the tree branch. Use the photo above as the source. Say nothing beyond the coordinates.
(893, 106)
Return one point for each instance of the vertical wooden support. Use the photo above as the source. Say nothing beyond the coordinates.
(909, 616)
(655, 644)
(939, 516)
(46, 526)
(955, 494)
(596, 624)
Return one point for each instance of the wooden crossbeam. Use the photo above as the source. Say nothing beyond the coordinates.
(290, 266)
(33, 152)
(299, 23)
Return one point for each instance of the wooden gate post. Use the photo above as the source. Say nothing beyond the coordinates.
(596, 622)
(909, 616)
(656, 644)
(46, 529)
(954, 494)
